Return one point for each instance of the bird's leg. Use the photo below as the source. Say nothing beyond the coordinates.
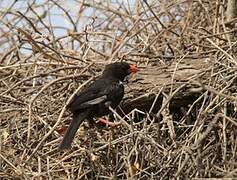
(106, 122)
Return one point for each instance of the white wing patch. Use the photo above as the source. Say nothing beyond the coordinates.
(96, 100)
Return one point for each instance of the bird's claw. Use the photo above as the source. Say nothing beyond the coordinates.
(105, 122)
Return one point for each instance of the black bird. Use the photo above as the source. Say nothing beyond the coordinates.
(95, 100)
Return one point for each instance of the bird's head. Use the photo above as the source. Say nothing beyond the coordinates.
(119, 70)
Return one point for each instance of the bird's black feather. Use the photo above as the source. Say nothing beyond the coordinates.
(94, 100)
(72, 129)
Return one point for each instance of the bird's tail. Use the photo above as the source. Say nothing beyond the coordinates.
(72, 129)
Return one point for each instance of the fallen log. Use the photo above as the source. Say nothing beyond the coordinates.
(177, 82)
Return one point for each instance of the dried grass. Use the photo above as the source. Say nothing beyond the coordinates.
(40, 71)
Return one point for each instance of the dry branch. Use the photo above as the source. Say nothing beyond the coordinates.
(179, 111)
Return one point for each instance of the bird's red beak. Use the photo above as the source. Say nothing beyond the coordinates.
(133, 68)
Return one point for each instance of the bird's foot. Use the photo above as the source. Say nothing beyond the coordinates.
(106, 122)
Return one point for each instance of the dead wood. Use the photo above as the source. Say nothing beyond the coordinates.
(177, 119)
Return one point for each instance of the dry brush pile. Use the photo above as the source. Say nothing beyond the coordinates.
(172, 127)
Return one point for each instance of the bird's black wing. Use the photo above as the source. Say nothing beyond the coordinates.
(90, 93)
(98, 92)
(111, 94)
